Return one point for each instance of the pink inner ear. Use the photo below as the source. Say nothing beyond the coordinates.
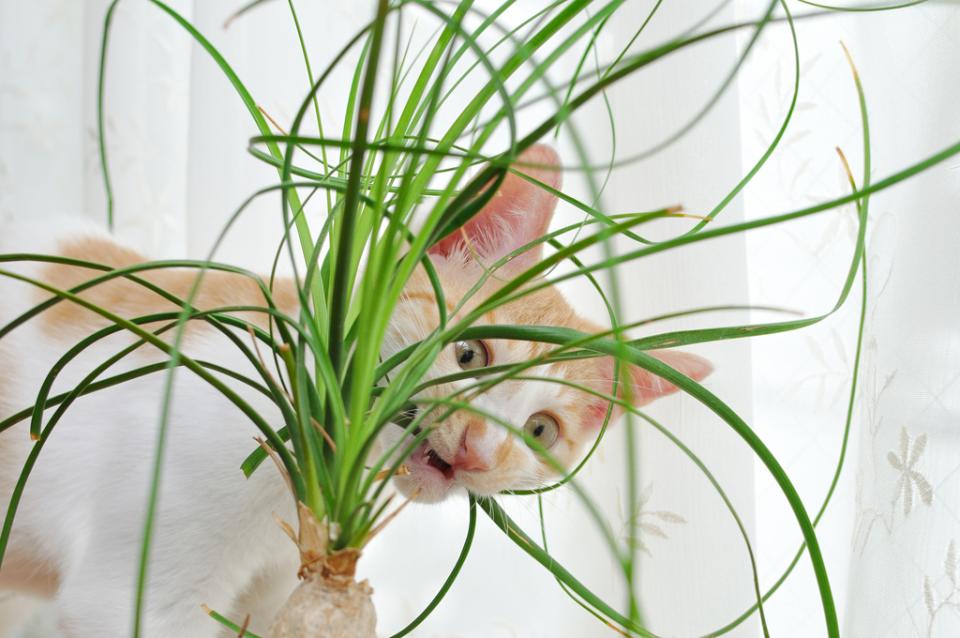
(519, 213)
(645, 386)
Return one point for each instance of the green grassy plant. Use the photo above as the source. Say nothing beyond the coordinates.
(354, 248)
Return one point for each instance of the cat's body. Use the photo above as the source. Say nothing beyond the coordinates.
(78, 531)
(83, 508)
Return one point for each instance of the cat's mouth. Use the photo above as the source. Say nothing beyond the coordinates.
(435, 461)
(431, 458)
(429, 477)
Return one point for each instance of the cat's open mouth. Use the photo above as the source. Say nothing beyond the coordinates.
(433, 460)
(428, 456)
(429, 476)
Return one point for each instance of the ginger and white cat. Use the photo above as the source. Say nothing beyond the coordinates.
(77, 535)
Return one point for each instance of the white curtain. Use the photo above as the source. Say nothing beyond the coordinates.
(176, 137)
(888, 534)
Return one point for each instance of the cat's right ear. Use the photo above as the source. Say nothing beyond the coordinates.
(519, 213)
(644, 385)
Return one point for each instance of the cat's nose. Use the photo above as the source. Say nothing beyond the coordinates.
(470, 457)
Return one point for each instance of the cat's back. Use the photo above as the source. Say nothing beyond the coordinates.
(31, 268)
(19, 240)
(85, 499)
(30, 349)
(25, 349)
(83, 255)
(88, 253)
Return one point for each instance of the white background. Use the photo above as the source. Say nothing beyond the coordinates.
(177, 135)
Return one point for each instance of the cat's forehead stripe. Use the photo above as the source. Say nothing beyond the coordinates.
(426, 297)
(429, 298)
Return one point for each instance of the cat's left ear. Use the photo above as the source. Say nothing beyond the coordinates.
(644, 386)
(518, 213)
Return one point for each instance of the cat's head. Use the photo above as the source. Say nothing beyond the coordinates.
(466, 449)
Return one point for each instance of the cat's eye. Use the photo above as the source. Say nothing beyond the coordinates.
(472, 354)
(542, 428)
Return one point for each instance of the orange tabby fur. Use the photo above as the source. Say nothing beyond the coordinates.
(130, 299)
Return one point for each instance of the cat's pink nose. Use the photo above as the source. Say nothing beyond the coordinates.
(469, 461)
(470, 457)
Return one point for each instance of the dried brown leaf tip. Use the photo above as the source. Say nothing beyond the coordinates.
(286, 527)
(243, 628)
(276, 459)
(403, 470)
